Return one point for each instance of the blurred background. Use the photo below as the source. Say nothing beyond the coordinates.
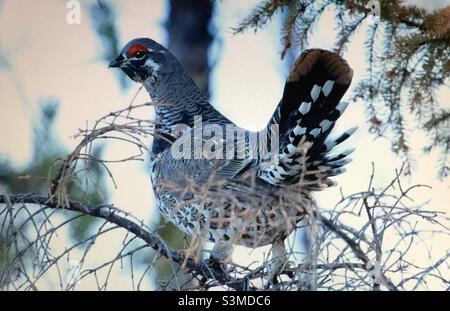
(54, 80)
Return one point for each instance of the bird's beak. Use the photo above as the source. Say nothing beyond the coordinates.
(117, 62)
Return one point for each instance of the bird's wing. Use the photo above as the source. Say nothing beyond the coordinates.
(220, 156)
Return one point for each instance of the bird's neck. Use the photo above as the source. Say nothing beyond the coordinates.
(178, 100)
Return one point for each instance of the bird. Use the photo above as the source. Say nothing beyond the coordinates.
(241, 197)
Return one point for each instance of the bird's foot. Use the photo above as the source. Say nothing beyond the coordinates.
(289, 269)
(278, 268)
(279, 264)
(216, 269)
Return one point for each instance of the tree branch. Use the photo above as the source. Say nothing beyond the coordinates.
(112, 215)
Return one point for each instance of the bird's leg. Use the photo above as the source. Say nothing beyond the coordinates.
(279, 260)
(220, 256)
(222, 251)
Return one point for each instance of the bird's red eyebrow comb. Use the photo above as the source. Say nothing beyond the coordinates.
(136, 48)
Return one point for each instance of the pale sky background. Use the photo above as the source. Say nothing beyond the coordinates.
(52, 58)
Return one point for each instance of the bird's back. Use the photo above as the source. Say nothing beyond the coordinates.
(201, 186)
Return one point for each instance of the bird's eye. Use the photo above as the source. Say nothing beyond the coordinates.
(139, 54)
(137, 51)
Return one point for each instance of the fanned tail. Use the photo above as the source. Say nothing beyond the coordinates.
(306, 115)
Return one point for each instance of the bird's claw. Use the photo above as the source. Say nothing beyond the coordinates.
(215, 269)
(278, 268)
(289, 269)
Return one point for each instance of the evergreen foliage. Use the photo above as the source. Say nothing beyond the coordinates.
(408, 56)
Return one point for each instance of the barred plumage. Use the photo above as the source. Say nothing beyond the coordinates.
(242, 200)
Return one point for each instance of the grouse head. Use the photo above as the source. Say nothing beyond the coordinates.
(143, 60)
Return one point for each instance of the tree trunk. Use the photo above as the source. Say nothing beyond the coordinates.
(190, 37)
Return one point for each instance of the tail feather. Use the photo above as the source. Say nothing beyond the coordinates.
(306, 116)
